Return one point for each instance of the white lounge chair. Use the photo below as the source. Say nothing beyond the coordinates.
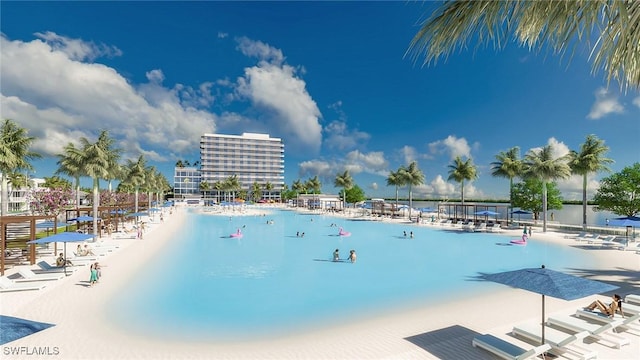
(507, 350)
(605, 241)
(630, 321)
(45, 267)
(587, 237)
(495, 228)
(631, 309)
(481, 227)
(633, 299)
(28, 275)
(6, 285)
(601, 332)
(560, 341)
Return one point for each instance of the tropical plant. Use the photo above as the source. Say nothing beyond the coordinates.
(56, 182)
(354, 194)
(345, 181)
(256, 190)
(14, 156)
(508, 165)
(540, 164)
(411, 176)
(268, 186)
(204, 187)
(620, 192)
(314, 185)
(395, 179)
(460, 171)
(135, 176)
(589, 160)
(527, 195)
(71, 163)
(615, 24)
(50, 202)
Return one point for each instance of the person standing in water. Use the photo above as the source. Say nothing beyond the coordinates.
(336, 255)
(352, 256)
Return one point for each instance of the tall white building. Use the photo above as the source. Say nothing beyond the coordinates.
(252, 158)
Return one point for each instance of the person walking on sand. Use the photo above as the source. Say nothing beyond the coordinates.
(94, 275)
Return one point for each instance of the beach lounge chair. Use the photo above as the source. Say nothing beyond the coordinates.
(28, 275)
(495, 228)
(507, 350)
(587, 237)
(630, 322)
(630, 309)
(561, 342)
(6, 285)
(481, 227)
(633, 299)
(605, 241)
(45, 267)
(601, 332)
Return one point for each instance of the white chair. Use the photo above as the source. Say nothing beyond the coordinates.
(560, 341)
(481, 227)
(630, 321)
(507, 350)
(45, 267)
(633, 299)
(601, 332)
(28, 275)
(6, 285)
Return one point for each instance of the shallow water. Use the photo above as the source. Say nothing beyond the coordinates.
(272, 281)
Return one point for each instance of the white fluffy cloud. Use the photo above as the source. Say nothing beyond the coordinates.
(49, 87)
(452, 146)
(281, 96)
(606, 103)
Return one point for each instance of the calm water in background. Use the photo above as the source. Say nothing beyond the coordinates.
(209, 286)
(569, 214)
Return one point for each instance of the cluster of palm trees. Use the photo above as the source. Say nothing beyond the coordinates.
(97, 160)
(540, 164)
(230, 187)
(406, 176)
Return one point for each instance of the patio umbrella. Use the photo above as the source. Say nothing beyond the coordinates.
(521, 212)
(627, 221)
(550, 283)
(83, 218)
(428, 210)
(138, 214)
(46, 225)
(63, 237)
(486, 214)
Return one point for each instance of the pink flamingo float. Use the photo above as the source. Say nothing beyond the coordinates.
(522, 241)
(341, 232)
(238, 234)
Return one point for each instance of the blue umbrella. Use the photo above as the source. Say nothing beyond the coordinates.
(63, 237)
(428, 210)
(487, 213)
(520, 212)
(83, 218)
(138, 214)
(626, 221)
(46, 224)
(550, 283)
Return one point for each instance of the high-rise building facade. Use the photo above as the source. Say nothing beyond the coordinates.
(251, 158)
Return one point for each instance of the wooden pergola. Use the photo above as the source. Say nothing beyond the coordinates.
(31, 219)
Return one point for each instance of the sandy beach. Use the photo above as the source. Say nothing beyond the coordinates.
(82, 330)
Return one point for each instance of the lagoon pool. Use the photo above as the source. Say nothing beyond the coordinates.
(271, 281)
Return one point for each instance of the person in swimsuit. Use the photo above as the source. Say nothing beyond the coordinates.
(336, 255)
(616, 305)
(352, 256)
(94, 275)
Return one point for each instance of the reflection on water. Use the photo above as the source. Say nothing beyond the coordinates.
(569, 214)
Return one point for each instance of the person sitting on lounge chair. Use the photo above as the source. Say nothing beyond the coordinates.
(61, 261)
(610, 310)
(80, 251)
(87, 250)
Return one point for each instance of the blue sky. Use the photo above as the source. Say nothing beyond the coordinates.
(330, 79)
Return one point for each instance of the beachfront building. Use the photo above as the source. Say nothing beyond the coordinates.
(19, 195)
(250, 158)
(186, 183)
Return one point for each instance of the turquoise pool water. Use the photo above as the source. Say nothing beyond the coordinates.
(271, 281)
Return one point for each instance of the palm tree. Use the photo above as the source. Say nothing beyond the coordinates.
(71, 163)
(314, 185)
(204, 187)
(136, 176)
(540, 164)
(616, 24)
(590, 159)
(232, 184)
(345, 181)
(298, 186)
(257, 191)
(508, 165)
(95, 165)
(460, 171)
(14, 156)
(395, 179)
(268, 186)
(411, 176)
